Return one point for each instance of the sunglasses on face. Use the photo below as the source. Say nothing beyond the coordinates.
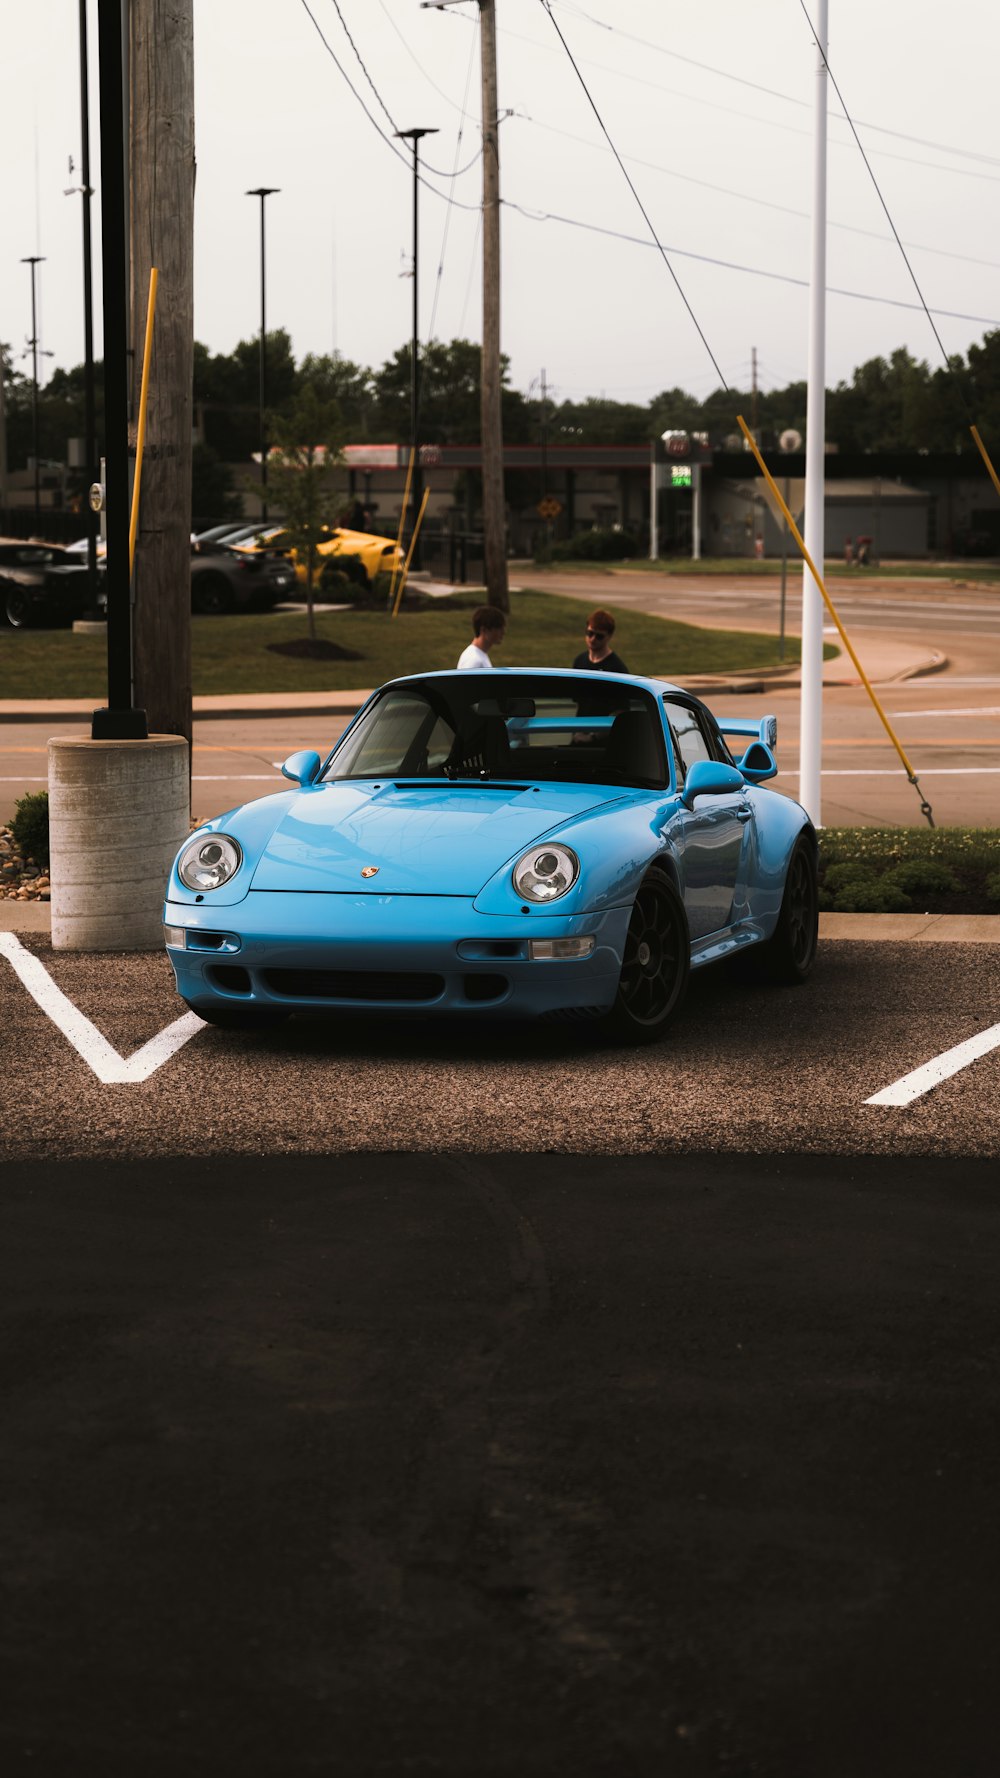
(598, 635)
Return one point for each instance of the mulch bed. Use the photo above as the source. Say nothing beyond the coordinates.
(314, 648)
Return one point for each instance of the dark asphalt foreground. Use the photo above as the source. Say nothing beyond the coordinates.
(507, 1467)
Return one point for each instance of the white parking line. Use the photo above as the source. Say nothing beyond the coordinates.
(100, 1055)
(921, 1080)
(983, 710)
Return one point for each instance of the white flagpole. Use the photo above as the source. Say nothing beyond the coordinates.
(811, 708)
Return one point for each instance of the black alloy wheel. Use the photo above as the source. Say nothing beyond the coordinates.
(655, 967)
(353, 567)
(791, 953)
(212, 595)
(18, 608)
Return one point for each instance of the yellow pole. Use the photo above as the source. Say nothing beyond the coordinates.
(985, 456)
(818, 578)
(147, 352)
(402, 526)
(406, 564)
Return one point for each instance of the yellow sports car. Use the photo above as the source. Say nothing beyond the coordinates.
(360, 554)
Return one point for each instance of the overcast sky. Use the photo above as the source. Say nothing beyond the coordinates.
(708, 102)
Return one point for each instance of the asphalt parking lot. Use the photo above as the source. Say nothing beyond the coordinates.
(748, 1068)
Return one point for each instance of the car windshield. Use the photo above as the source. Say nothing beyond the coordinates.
(518, 728)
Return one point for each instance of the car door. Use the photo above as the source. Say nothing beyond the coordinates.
(712, 840)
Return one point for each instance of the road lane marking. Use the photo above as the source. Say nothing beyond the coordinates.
(983, 710)
(101, 1056)
(930, 1074)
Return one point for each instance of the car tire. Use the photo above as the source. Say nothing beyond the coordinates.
(17, 608)
(791, 953)
(240, 1018)
(354, 569)
(655, 967)
(211, 595)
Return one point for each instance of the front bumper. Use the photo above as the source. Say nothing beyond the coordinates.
(420, 955)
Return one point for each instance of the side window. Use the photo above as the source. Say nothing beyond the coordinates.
(690, 741)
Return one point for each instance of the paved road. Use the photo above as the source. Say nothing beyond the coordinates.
(948, 723)
(950, 732)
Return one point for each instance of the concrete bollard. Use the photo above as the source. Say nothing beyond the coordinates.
(118, 812)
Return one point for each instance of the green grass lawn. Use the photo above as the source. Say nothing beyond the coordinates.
(231, 654)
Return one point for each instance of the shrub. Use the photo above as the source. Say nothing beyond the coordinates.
(30, 826)
(871, 895)
(993, 886)
(596, 546)
(923, 876)
(844, 876)
(337, 588)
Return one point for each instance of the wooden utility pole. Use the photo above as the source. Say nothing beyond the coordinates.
(162, 166)
(491, 417)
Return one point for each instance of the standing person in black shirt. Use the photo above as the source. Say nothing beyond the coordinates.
(599, 656)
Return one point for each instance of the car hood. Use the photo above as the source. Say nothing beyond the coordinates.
(421, 839)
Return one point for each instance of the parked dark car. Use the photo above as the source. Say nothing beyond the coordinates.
(206, 543)
(231, 580)
(228, 580)
(42, 583)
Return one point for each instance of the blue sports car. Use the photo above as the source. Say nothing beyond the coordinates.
(516, 843)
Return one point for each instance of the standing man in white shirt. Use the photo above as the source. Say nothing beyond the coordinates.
(488, 625)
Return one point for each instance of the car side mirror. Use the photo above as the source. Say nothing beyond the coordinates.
(710, 777)
(302, 767)
(758, 763)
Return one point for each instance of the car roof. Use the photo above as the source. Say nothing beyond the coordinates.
(657, 686)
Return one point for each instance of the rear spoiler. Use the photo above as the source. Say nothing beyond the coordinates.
(765, 730)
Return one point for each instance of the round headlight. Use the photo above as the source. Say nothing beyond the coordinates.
(546, 872)
(209, 861)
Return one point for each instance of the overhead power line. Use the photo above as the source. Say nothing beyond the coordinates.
(547, 7)
(771, 92)
(731, 265)
(390, 144)
(878, 192)
(439, 172)
(747, 197)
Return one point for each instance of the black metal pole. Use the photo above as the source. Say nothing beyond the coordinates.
(417, 479)
(263, 364)
(33, 260)
(120, 720)
(91, 465)
(262, 192)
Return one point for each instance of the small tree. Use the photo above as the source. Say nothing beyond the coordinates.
(307, 447)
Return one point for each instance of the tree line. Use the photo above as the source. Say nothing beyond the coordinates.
(894, 404)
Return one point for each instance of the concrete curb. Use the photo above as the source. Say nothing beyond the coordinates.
(955, 929)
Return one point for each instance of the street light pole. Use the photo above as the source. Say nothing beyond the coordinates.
(417, 482)
(262, 192)
(33, 260)
(91, 465)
